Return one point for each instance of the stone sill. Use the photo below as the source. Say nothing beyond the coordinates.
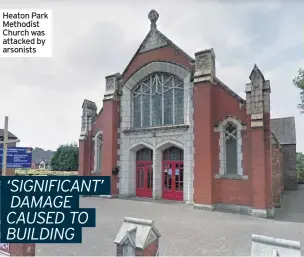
(154, 129)
(232, 177)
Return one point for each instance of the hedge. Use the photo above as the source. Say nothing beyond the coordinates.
(22, 172)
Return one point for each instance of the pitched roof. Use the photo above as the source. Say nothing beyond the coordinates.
(38, 156)
(154, 40)
(10, 135)
(284, 130)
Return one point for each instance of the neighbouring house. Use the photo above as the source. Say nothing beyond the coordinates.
(42, 159)
(171, 129)
(10, 136)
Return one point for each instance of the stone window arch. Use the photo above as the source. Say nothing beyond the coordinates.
(158, 100)
(42, 165)
(230, 143)
(98, 142)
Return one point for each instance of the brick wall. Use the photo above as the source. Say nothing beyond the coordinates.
(289, 167)
(203, 143)
(268, 161)
(168, 54)
(230, 191)
(151, 249)
(277, 166)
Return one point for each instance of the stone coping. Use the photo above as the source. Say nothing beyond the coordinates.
(152, 129)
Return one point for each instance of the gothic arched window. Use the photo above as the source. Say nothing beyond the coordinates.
(231, 148)
(158, 100)
(98, 154)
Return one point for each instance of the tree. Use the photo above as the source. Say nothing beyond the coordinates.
(298, 81)
(65, 158)
(300, 167)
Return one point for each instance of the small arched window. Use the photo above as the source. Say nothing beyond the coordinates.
(42, 165)
(98, 153)
(230, 147)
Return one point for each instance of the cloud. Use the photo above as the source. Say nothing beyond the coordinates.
(88, 52)
(93, 39)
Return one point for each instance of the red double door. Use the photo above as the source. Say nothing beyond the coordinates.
(144, 173)
(173, 183)
(144, 179)
(172, 174)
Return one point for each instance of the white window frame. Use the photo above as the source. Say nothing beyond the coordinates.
(43, 165)
(221, 128)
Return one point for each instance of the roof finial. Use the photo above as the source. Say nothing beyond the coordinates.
(153, 17)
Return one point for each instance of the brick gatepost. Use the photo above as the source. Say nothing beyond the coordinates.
(89, 112)
(203, 129)
(258, 107)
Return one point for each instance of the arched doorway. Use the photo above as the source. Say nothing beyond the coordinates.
(144, 173)
(173, 174)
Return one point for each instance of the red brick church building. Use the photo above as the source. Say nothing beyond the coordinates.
(170, 129)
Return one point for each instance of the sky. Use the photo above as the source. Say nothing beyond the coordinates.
(93, 39)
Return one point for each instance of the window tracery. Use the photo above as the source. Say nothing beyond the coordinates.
(230, 145)
(231, 148)
(158, 100)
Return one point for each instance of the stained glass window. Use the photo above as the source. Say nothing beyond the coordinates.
(158, 100)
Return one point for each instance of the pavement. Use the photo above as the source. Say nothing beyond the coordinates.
(185, 231)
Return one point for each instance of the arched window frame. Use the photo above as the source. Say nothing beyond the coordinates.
(42, 165)
(164, 82)
(221, 129)
(98, 142)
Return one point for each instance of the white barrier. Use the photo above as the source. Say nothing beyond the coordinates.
(270, 246)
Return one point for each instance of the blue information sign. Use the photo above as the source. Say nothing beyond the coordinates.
(17, 157)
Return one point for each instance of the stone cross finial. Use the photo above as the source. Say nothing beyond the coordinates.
(153, 17)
